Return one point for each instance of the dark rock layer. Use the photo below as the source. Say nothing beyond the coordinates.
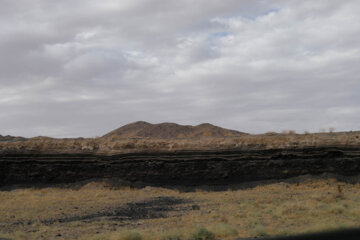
(179, 168)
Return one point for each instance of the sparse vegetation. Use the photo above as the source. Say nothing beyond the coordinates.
(117, 144)
(273, 209)
(173, 235)
(260, 231)
(128, 235)
(202, 233)
(225, 230)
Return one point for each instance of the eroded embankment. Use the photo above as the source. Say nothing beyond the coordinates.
(179, 168)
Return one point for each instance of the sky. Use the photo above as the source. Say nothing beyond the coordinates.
(83, 68)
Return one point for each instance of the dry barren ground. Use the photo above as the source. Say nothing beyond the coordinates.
(99, 210)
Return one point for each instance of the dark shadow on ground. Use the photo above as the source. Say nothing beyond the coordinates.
(345, 234)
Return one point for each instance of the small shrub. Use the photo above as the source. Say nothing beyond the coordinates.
(292, 132)
(337, 209)
(271, 133)
(202, 234)
(339, 194)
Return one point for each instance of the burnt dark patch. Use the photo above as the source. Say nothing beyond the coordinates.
(159, 207)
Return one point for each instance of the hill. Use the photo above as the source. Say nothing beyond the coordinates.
(171, 130)
(9, 138)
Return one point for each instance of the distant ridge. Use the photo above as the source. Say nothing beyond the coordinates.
(9, 138)
(143, 129)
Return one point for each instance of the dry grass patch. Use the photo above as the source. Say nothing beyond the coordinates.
(275, 209)
(118, 144)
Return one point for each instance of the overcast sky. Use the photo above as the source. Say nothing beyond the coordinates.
(82, 68)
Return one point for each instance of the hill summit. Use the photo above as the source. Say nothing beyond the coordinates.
(166, 130)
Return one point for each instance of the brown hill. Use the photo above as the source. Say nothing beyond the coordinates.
(171, 130)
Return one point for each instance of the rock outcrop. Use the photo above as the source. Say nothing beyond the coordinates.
(189, 168)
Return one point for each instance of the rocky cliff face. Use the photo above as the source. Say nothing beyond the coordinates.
(189, 168)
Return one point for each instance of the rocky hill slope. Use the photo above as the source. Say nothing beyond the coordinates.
(170, 131)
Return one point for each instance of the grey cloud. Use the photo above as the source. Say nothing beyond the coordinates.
(82, 68)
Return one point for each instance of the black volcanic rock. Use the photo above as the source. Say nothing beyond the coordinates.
(179, 168)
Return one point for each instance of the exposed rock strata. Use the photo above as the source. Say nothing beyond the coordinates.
(179, 167)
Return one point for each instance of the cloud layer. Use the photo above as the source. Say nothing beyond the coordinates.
(82, 68)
